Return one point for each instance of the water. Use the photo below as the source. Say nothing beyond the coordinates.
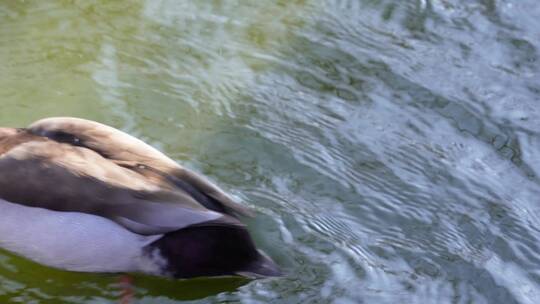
(390, 148)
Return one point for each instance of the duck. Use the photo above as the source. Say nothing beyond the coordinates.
(83, 196)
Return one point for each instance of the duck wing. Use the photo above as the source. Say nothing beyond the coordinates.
(134, 154)
(47, 174)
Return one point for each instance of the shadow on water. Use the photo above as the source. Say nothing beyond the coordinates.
(182, 290)
(42, 283)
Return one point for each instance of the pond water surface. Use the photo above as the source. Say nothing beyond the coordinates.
(391, 149)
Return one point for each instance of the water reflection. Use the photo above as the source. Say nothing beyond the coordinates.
(390, 148)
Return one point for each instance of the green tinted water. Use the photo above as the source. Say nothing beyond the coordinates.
(390, 148)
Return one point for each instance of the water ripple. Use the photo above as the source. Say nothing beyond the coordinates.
(389, 148)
